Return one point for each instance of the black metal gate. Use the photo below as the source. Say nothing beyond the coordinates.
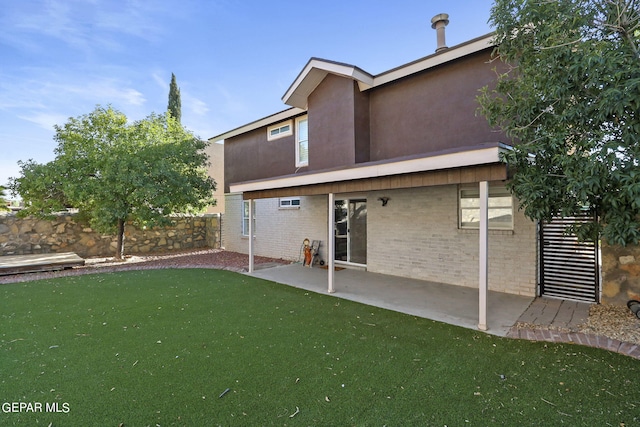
(569, 268)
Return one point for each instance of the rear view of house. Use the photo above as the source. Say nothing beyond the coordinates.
(391, 173)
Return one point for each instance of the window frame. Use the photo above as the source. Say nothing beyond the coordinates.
(280, 134)
(495, 192)
(300, 119)
(245, 219)
(289, 203)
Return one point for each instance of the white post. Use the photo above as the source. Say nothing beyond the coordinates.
(483, 255)
(251, 235)
(331, 242)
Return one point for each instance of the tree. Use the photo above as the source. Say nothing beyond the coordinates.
(175, 105)
(570, 99)
(114, 172)
(3, 201)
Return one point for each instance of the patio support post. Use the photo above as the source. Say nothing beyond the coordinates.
(251, 248)
(483, 255)
(331, 243)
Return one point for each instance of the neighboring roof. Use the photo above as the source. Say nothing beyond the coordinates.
(317, 69)
(471, 156)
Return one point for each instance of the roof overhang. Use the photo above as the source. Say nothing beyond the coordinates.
(317, 69)
(314, 72)
(446, 55)
(476, 156)
(266, 121)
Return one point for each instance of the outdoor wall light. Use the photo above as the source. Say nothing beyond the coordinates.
(384, 200)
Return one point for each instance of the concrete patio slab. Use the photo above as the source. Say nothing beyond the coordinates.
(456, 305)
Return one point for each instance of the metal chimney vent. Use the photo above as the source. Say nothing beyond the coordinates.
(438, 23)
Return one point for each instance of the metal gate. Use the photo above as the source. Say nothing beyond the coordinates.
(569, 268)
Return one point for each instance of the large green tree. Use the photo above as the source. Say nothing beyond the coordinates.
(175, 104)
(569, 96)
(114, 172)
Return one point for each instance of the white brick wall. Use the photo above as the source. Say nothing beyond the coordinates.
(279, 232)
(416, 235)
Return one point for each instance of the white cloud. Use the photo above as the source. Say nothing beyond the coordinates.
(83, 25)
(194, 105)
(43, 119)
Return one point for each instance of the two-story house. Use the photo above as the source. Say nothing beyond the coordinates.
(395, 173)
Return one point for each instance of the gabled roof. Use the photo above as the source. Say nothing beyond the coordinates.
(314, 72)
(317, 69)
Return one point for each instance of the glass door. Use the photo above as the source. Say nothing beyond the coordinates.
(351, 230)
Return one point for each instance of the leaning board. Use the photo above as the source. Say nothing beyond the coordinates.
(14, 264)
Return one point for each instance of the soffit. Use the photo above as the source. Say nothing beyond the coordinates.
(473, 156)
(314, 72)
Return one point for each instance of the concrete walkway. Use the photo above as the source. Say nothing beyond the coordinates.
(456, 305)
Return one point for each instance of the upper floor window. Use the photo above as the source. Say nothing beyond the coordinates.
(500, 208)
(302, 141)
(280, 130)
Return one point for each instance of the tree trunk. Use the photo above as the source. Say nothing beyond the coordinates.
(120, 244)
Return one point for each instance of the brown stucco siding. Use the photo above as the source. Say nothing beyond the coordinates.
(432, 111)
(250, 156)
(362, 125)
(331, 124)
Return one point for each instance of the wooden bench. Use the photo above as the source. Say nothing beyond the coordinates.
(14, 264)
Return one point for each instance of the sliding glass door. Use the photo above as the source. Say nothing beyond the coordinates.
(351, 230)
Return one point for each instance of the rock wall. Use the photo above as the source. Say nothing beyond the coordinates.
(65, 233)
(620, 273)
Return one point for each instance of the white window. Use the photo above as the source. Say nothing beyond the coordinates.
(302, 141)
(245, 217)
(500, 208)
(280, 130)
(290, 203)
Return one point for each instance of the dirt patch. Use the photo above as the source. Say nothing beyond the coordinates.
(611, 321)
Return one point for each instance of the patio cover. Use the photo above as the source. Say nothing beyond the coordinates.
(479, 164)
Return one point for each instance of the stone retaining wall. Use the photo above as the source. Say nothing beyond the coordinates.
(65, 233)
(620, 273)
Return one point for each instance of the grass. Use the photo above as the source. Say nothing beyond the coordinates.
(160, 347)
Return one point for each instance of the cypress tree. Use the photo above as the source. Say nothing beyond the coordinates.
(175, 107)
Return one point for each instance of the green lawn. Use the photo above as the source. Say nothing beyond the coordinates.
(160, 348)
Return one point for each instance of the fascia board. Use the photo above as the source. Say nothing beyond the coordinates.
(442, 57)
(314, 72)
(472, 157)
(266, 121)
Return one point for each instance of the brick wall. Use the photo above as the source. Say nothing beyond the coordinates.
(416, 235)
(279, 231)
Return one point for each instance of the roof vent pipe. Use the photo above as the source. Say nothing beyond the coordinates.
(438, 23)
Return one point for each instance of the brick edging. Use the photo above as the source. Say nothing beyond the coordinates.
(589, 340)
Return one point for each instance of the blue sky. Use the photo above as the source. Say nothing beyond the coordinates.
(233, 60)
